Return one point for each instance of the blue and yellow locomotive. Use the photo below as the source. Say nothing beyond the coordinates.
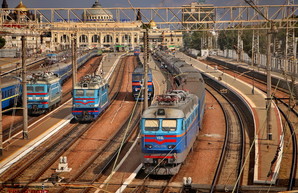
(169, 126)
(43, 92)
(138, 81)
(90, 98)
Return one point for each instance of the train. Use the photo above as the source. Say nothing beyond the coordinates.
(53, 58)
(11, 91)
(169, 127)
(44, 92)
(41, 101)
(90, 98)
(137, 51)
(138, 81)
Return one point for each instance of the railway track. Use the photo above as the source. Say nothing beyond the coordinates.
(288, 110)
(55, 150)
(15, 126)
(228, 172)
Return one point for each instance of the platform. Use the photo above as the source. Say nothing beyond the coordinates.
(268, 153)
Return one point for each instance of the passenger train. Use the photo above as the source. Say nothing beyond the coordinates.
(90, 98)
(44, 92)
(138, 81)
(11, 91)
(169, 126)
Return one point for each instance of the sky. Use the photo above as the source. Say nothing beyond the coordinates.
(124, 3)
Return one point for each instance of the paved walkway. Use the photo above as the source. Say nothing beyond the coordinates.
(268, 153)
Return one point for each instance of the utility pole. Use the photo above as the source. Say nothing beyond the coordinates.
(268, 65)
(1, 126)
(146, 57)
(74, 59)
(24, 87)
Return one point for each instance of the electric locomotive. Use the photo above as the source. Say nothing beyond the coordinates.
(90, 98)
(137, 51)
(169, 126)
(138, 81)
(11, 91)
(43, 92)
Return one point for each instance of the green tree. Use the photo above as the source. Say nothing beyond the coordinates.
(2, 42)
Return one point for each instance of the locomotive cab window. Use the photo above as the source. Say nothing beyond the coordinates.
(137, 77)
(169, 125)
(29, 88)
(39, 89)
(151, 125)
(79, 92)
(90, 93)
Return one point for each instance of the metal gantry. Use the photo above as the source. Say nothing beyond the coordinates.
(176, 18)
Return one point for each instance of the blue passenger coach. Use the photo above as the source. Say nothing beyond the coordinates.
(44, 92)
(90, 98)
(11, 91)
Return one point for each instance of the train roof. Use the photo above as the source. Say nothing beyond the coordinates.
(91, 82)
(140, 70)
(9, 81)
(176, 104)
(43, 78)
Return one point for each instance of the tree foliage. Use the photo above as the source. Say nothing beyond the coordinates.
(2, 42)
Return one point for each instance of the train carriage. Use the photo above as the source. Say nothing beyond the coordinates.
(44, 93)
(137, 51)
(11, 91)
(137, 82)
(90, 98)
(169, 126)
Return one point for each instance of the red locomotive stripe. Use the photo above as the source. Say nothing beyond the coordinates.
(85, 102)
(37, 93)
(93, 111)
(84, 98)
(44, 103)
(138, 84)
(154, 156)
(149, 135)
(160, 142)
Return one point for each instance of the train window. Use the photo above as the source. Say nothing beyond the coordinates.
(39, 89)
(137, 77)
(169, 125)
(29, 88)
(79, 92)
(89, 92)
(151, 125)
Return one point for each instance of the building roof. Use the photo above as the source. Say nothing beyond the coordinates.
(98, 12)
(21, 7)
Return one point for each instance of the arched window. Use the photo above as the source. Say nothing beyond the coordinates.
(95, 39)
(83, 39)
(108, 39)
(64, 39)
(126, 39)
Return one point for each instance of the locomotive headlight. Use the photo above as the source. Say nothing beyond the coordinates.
(171, 146)
(148, 146)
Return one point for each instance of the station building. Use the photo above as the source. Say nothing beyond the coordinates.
(97, 29)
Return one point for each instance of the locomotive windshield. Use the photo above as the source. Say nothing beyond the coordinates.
(39, 89)
(29, 88)
(79, 93)
(169, 125)
(90, 93)
(151, 125)
(166, 124)
(137, 77)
